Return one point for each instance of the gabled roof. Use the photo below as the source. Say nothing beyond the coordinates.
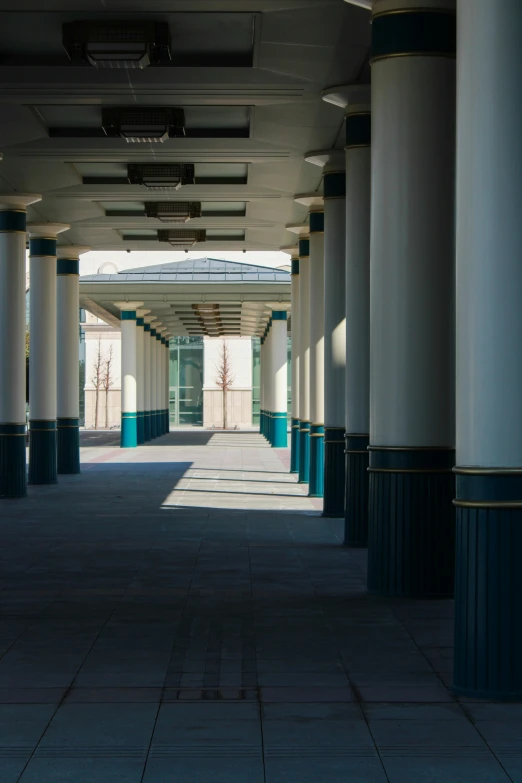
(196, 270)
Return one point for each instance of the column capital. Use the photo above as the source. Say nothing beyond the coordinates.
(141, 313)
(127, 305)
(331, 160)
(46, 230)
(350, 97)
(293, 250)
(367, 4)
(71, 251)
(314, 201)
(18, 201)
(301, 229)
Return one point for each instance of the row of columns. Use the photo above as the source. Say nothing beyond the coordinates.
(422, 282)
(53, 350)
(274, 380)
(145, 383)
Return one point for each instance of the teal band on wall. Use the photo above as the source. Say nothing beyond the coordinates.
(427, 31)
(146, 327)
(316, 222)
(359, 130)
(128, 315)
(67, 266)
(335, 184)
(139, 322)
(42, 246)
(13, 221)
(304, 248)
(279, 315)
(295, 266)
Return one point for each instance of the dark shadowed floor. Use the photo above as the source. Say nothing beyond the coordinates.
(181, 613)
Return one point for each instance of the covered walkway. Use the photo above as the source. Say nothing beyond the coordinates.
(181, 613)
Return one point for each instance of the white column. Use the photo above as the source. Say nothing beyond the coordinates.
(304, 358)
(161, 379)
(355, 101)
(140, 373)
(68, 357)
(42, 352)
(154, 378)
(334, 181)
(147, 372)
(129, 394)
(295, 333)
(167, 381)
(412, 301)
(13, 482)
(280, 378)
(488, 610)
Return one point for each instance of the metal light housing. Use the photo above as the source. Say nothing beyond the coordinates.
(173, 211)
(143, 124)
(162, 177)
(116, 43)
(181, 237)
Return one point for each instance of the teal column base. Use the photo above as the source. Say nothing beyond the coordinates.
(68, 446)
(488, 585)
(262, 423)
(167, 422)
(153, 425)
(161, 423)
(411, 522)
(146, 426)
(294, 447)
(334, 472)
(13, 474)
(316, 482)
(357, 483)
(304, 452)
(129, 430)
(280, 430)
(140, 424)
(42, 452)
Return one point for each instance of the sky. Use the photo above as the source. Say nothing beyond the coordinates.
(109, 262)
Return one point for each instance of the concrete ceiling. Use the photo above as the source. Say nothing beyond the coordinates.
(248, 76)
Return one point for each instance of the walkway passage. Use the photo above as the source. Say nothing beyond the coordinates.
(181, 613)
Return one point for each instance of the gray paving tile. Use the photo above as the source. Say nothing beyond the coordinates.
(84, 770)
(204, 770)
(100, 725)
(328, 769)
(444, 769)
(22, 725)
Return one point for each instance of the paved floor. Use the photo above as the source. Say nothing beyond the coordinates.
(181, 613)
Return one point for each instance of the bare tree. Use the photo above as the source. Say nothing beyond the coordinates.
(107, 381)
(97, 382)
(224, 378)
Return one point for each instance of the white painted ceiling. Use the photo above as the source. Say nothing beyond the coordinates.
(248, 74)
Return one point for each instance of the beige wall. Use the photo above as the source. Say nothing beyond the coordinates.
(239, 408)
(114, 408)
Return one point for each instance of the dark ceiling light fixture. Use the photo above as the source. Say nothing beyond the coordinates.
(140, 124)
(181, 237)
(173, 211)
(117, 43)
(161, 176)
